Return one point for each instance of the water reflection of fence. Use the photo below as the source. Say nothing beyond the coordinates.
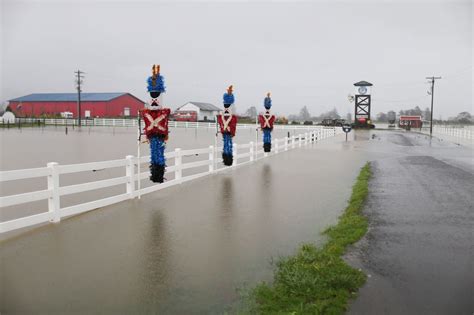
(243, 154)
(119, 122)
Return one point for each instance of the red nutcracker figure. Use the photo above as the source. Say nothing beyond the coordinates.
(266, 121)
(156, 125)
(227, 123)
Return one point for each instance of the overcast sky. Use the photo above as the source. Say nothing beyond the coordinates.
(305, 53)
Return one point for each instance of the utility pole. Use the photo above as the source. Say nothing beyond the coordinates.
(79, 77)
(433, 78)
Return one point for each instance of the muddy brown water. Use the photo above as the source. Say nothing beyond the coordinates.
(188, 249)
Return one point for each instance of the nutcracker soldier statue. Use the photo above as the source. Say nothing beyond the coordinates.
(227, 123)
(156, 125)
(266, 121)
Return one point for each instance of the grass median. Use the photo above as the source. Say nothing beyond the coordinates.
(318, 280)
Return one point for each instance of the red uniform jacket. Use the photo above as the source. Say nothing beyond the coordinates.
(228, 125)
(266, 121)
(156, 121)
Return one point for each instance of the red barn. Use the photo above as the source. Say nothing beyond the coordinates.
(92, 105)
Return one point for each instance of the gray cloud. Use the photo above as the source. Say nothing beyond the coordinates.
(305, 53)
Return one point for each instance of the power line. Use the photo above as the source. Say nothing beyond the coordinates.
(433, 79)
(79, 77)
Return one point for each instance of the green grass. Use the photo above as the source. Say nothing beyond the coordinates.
(318, 280)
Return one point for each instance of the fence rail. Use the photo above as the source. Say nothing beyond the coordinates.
(456, 134)
(243, 154)
(120, 122)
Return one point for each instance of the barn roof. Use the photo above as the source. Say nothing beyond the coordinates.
(203, 106)
(70, 97)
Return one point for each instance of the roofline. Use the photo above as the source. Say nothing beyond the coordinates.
(126, 93)
(192, 102)
(358, 83)
(50, 101)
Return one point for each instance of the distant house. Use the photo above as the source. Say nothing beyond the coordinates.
(204, 111)
(8, 117)
(92, 105)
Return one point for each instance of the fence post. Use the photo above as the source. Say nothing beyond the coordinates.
(178, 161)
(293, 141)
(130, 173)
(251, 151)
(305, 138)
(276, 146)
(53, 185)
(286, 143)
(299, 140)
(211, 159)
(234, 153)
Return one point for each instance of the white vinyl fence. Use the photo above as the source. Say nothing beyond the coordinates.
(458, 134)
(117, 122)
(243, 154)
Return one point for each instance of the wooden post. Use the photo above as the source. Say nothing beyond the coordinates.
(234, 153)
(53, 186)
(211, 159)
(251, 152)
(178, 161)
(130, 173)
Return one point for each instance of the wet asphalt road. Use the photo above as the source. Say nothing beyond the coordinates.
(419, 248)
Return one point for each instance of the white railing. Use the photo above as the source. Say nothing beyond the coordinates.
(119, 122)
(452, 133)
(243, 154)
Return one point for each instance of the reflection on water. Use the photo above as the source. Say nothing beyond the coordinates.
(226, 196)
(185, 249)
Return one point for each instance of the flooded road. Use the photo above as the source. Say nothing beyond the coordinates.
(187, 249)
(418, 251)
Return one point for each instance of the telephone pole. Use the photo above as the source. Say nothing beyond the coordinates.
(433, 78)
(79, 77)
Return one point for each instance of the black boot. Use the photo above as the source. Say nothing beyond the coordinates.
(267, 147)
(228, 159)
(157, 173)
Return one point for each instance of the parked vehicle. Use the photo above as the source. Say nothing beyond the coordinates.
(333, 122)
(66, 115)
(185, 116)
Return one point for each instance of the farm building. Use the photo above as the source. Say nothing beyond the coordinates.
(407, 122)
(92, 105)
(204, 111)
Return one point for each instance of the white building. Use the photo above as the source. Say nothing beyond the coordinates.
(205, 111)
(8, 117)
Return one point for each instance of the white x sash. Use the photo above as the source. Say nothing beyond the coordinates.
(266, 123)
(155, 122)
(226, 122)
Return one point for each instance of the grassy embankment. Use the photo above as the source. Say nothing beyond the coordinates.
(318, 280)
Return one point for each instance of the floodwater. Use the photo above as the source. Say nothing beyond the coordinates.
(188, 249)
(35, 147)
